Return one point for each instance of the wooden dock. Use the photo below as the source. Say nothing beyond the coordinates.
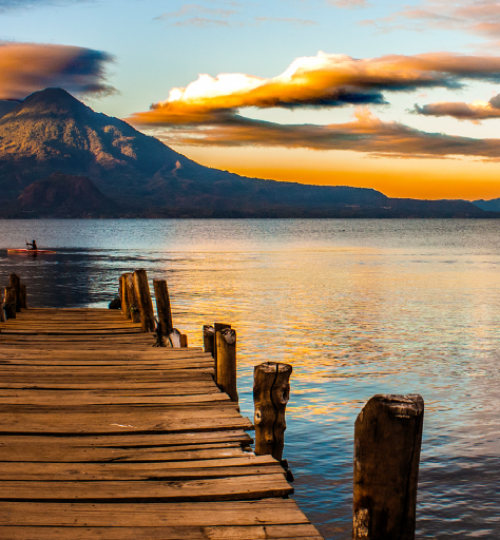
(105, 437)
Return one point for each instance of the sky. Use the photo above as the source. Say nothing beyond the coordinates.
(401, 97)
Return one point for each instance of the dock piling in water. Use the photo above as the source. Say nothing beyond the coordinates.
(388, 437)
(133, 304)
(271, 392)
(125, 297)
(144, 301)
(163, 308)
(217, 328)
(24, 296)
(209, 339)
(10, 301)
(225, 344)
(15, 283)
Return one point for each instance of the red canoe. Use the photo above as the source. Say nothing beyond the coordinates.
(30, 251)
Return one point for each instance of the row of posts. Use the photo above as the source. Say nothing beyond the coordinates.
(387, 435)
(387, 440)
(14, 298)
(137, 305)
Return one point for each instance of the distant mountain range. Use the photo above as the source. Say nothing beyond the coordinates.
(59, 158)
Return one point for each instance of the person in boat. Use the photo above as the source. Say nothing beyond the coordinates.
(32, 246)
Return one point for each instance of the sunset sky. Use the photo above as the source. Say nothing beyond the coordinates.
(400, 97)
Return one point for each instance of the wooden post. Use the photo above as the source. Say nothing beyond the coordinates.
(125, 298)
(209, 339)
(15, 283)
(2, 312)
(387, 441)
(10, 301)
(133, 306)
(184, 340)
(225, 374)
(144, 301)
(217, 328)
(271, 392)
(120, 291)
(175, 338)
(24, 296)
(163, 306)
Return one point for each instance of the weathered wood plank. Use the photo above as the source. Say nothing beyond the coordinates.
(249, 532)
(221, 489)
(132, 440)
(91, 412)
(237, 513)
(41, 398)
(209, 468)
(42, 454)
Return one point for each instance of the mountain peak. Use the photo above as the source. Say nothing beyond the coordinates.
(51, 101)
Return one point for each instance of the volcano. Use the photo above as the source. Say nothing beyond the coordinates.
(51, 131)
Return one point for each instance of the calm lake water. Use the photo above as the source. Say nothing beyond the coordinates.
(358, 307)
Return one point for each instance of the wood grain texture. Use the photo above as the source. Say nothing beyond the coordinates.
(105, 438)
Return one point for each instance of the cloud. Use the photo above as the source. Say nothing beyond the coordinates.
(325, 80)
(287, 20)
(475, 111)
(202, 22)
(477, 17)
(207, 112)
(11, 5)
(197, 9)
(365, 133)
(350, 4)
(198, 16)
(28, 67)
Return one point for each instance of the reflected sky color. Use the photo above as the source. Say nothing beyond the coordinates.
(357, 307)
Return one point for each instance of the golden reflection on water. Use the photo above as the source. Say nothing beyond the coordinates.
(357, 308)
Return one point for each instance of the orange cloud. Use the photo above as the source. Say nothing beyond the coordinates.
(365, 133)
(206, 112)
(28, 67)
(475, 111)
(325, 80)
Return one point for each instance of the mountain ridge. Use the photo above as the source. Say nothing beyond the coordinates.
(52, 131)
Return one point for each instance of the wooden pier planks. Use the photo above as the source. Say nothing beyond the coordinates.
(103, 437)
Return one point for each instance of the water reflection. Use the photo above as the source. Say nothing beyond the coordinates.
(357, 307)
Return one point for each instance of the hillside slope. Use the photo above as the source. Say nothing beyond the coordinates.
(52, 131)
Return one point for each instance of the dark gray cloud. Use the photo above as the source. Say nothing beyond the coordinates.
(475, 111)
(28, 67)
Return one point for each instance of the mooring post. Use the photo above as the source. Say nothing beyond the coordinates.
(184, 340)
(120, 292)
(10, 301)
(225, 370)
(217, 328)
(24, 296)
(387, 441)
(175, 338)
(209, 339)
(15, 283)
(163, 308)
(2, 307)
(271, 392)
(144, 301)
(133, 305)
(125, 297)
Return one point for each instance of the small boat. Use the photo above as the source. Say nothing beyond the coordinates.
(30, 251)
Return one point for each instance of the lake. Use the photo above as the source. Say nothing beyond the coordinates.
(357, 307)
